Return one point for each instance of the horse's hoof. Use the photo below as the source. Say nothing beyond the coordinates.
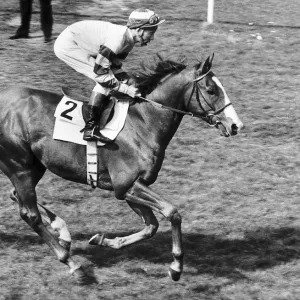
(82, 278)
(175, 275)
(97, 239)
(80, 275)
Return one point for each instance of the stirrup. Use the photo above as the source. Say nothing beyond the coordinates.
(96, 135)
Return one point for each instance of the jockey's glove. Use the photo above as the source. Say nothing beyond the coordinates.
(130, 90)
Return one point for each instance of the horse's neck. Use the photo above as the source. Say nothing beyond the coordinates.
(161, 123)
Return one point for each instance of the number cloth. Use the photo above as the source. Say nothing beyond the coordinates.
(69, 121)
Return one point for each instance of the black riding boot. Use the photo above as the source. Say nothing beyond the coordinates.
(91, 130)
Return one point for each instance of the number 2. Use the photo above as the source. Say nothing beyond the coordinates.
(65, 112)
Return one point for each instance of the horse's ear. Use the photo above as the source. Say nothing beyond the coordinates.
(211, 58)
(203, 69)
(207, 65)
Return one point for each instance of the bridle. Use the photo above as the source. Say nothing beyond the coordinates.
(210, 116)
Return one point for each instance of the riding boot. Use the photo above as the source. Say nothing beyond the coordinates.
(91, 129)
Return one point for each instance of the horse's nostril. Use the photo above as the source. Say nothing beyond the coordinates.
(234, 129)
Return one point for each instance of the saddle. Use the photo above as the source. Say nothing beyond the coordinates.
(108, 110)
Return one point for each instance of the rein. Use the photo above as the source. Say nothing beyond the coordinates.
(210, 117)
(168, 107)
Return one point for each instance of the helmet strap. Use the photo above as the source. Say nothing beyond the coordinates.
(140, 32)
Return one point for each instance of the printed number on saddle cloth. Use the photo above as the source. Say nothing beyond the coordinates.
(65, 113)
(69, 110)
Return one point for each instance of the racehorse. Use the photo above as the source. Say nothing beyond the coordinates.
(127, 167)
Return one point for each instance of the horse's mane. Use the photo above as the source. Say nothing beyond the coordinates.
(154, 70)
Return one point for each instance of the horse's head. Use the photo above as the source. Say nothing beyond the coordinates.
(206, 98)
(204, 95)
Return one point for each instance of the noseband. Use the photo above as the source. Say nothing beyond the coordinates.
(210, 116)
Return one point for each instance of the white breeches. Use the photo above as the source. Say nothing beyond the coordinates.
(68, 51)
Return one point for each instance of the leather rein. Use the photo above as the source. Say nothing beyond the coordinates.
(210, 117)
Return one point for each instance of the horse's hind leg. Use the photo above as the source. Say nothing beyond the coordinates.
(55, 222)
(151, 226)
(24, 182)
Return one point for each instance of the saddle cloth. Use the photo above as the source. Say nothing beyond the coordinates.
(69, 121)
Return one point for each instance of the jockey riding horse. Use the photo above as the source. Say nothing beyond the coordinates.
(97, 49)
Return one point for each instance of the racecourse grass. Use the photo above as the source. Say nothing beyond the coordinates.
(239, 197)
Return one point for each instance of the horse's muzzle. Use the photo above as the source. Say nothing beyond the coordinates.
(229, 130)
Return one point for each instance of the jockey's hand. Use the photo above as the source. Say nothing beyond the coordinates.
(133, 92)
(130, 90)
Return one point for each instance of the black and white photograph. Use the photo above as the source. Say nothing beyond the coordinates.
(149, 150)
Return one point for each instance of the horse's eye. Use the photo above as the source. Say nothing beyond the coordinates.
(211, 91)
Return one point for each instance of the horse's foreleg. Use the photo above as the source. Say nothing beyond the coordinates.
(30, 214)
(151, 226)
(55, 222)
(142, 195)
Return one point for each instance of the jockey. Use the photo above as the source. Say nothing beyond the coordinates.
(97, 50)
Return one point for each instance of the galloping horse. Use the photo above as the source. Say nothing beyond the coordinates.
(128, 166)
